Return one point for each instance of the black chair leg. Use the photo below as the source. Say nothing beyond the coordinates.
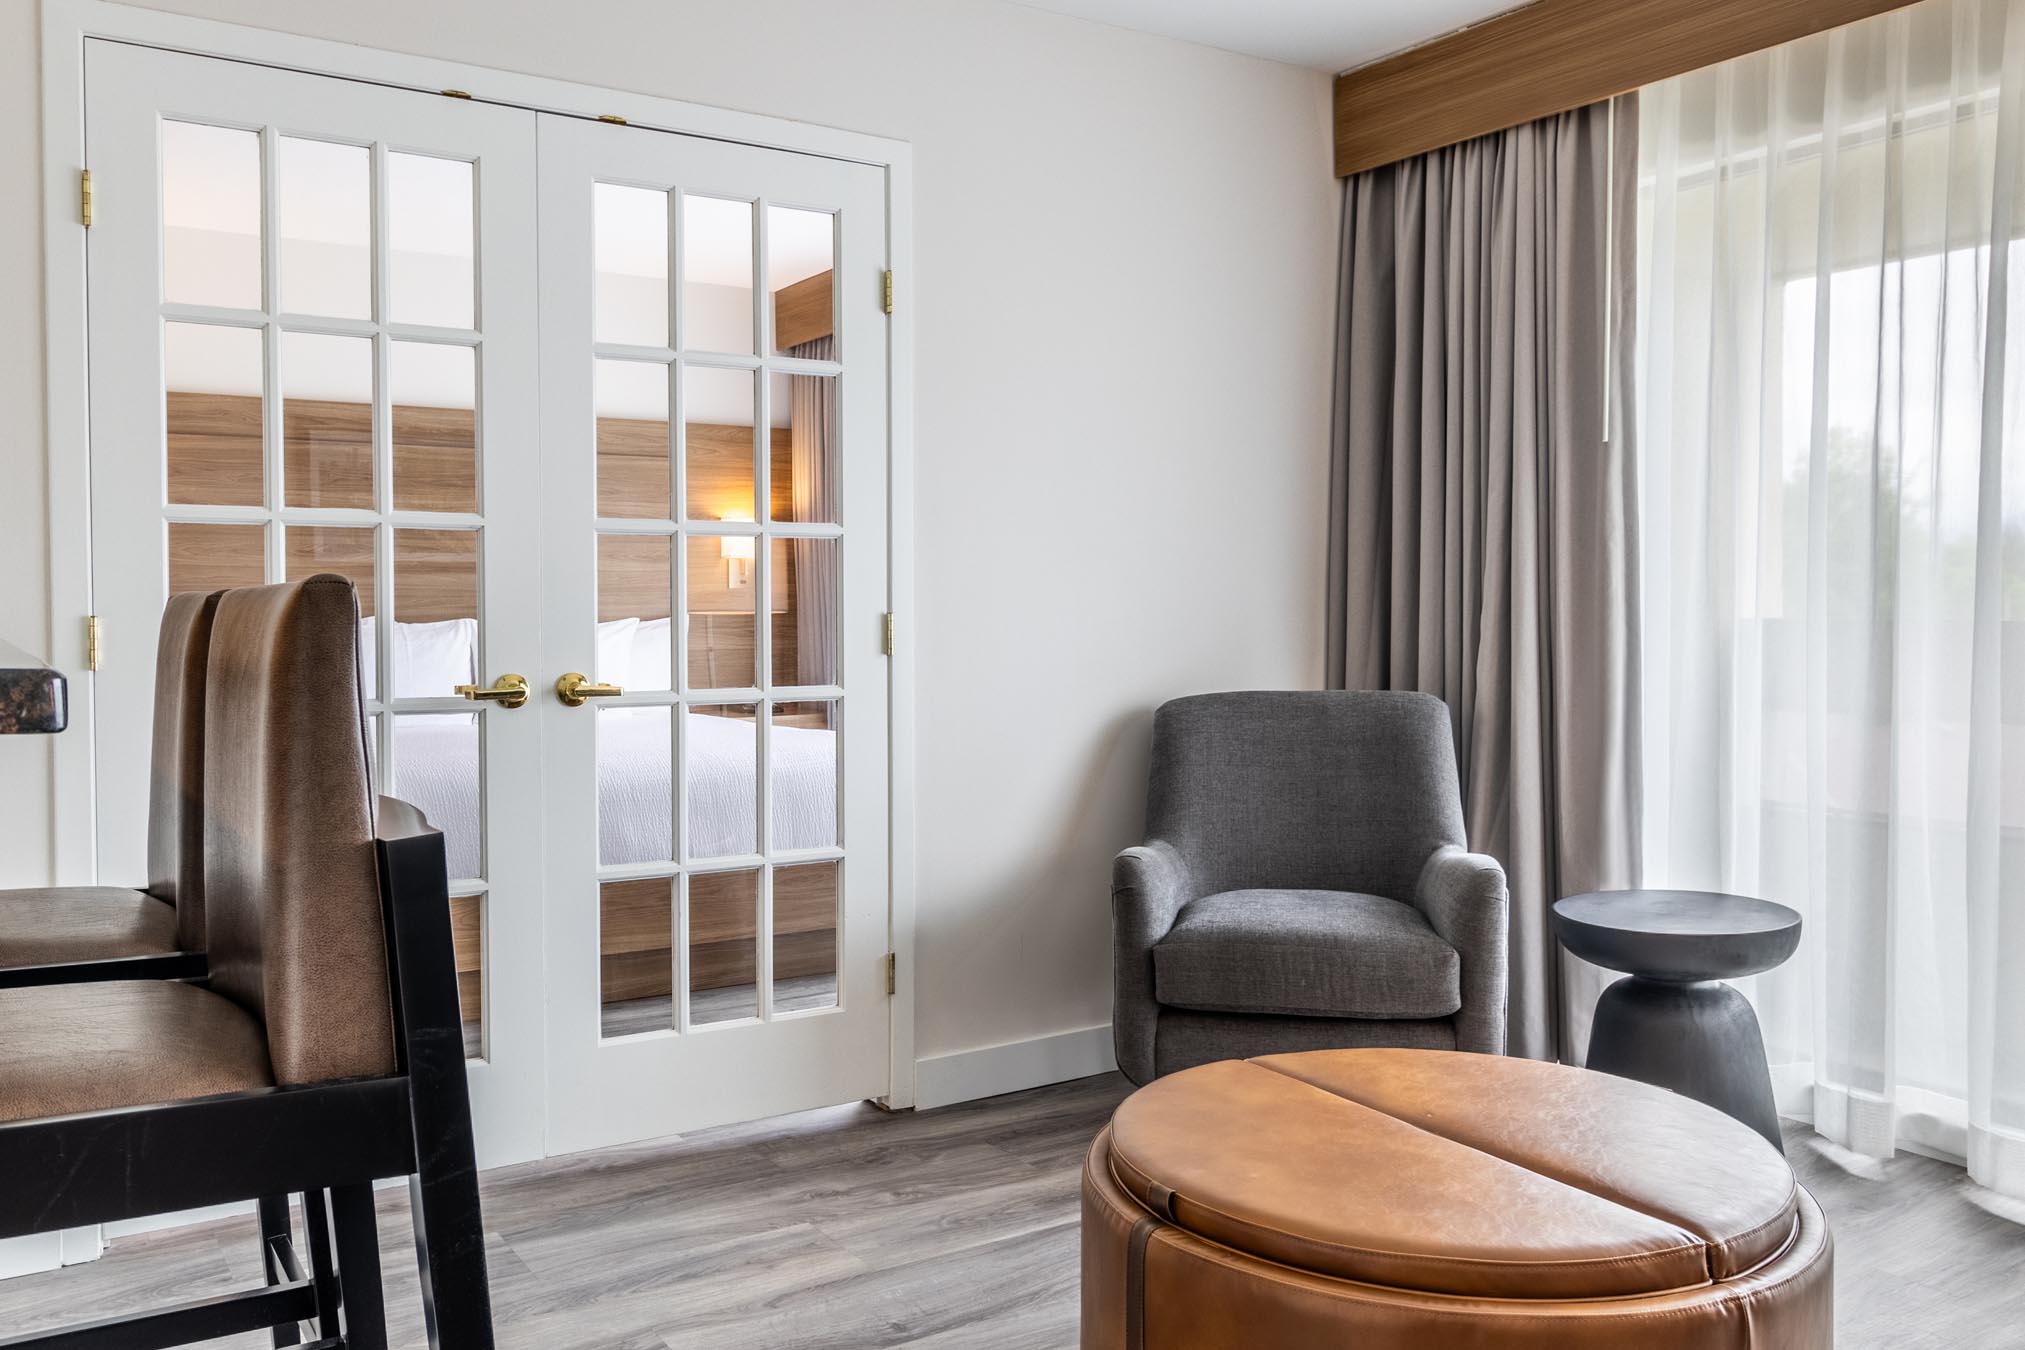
(323, 1272)
(358, 1266)
(450, 1247)
(276, 1226)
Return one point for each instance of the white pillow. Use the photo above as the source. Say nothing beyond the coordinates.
(432, 659)
(653, 664)
(369, 657)
(613, 663)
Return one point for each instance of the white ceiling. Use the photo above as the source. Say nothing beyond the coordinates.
(1329, 35)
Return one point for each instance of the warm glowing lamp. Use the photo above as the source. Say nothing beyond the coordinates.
(738, 552)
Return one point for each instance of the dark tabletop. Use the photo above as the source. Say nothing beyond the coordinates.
(1677, 935)
(33, 698)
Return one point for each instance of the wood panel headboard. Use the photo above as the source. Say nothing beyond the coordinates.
(214, 457)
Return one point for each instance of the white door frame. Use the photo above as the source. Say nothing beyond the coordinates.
(65, 26)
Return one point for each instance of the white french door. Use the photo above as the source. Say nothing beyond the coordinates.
(312, 350)
(317, 343)
(714, 489)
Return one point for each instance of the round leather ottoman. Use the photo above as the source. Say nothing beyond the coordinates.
(1396, 1199)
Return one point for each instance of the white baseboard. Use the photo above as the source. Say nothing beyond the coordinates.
(150, 1223)
(36, 1252)
(30, 1254)
(966, 1075)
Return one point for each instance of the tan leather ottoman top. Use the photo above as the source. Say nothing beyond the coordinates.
(1451, 1178)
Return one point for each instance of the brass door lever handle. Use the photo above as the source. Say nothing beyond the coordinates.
(508, 691)
(575, 688)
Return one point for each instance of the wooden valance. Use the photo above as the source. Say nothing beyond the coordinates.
(804, 311)
(1550, 56)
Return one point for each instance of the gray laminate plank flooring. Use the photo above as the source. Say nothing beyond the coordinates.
(946, 1229)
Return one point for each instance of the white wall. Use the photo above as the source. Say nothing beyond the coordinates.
(1125, 250)
(24, 538)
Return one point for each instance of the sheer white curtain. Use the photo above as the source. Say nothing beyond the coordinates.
(1833, 550)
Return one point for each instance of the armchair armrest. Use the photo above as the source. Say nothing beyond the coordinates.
(1149, 885)
(1464, 897)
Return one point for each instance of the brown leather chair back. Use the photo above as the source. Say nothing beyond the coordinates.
(176, 775)
(291, 885)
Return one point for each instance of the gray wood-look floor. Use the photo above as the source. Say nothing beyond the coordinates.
(951, 1228)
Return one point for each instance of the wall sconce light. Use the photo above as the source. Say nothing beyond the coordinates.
(738, 553)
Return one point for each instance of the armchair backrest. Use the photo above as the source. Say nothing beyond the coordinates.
(1338, 790)
(291, 878)
(176, 765)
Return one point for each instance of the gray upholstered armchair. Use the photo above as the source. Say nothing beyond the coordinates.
(1305, 885)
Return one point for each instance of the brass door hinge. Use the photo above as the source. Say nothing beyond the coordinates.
(892, 973)
(887, 641)
(84, 197)
(91, 648)
(887, 299)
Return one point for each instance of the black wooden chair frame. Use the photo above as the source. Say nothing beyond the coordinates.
(329, 1138)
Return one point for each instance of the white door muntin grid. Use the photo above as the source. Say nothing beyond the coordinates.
(695, 1071)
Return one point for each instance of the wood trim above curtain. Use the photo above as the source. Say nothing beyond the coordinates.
(1482, 516)
(1551, 56)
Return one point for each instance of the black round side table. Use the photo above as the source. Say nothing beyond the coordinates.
(1672, 1022)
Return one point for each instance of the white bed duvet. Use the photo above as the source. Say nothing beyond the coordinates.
(437, 770)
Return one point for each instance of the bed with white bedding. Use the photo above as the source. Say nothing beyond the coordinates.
(436, 768)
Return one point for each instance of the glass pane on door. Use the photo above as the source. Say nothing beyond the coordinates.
(801, 265)
(636, 787)
(716, 275)
(212, 557)
(630, 252)
(213, 414)
(805, 459)
(723, 946)
(718, 417)
(324, 201)
(327, 420)
(433, 393)
(430, 249)
(720, 779)
(806, 904)
(211, 235)
(636, 958)
(634, 465)
(467, 943)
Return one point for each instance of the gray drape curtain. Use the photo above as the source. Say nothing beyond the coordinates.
(1482, 506)
(812, 437)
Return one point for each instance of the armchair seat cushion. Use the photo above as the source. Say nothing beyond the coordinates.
(71, 1048)
(1306, 954)
(57, 925)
